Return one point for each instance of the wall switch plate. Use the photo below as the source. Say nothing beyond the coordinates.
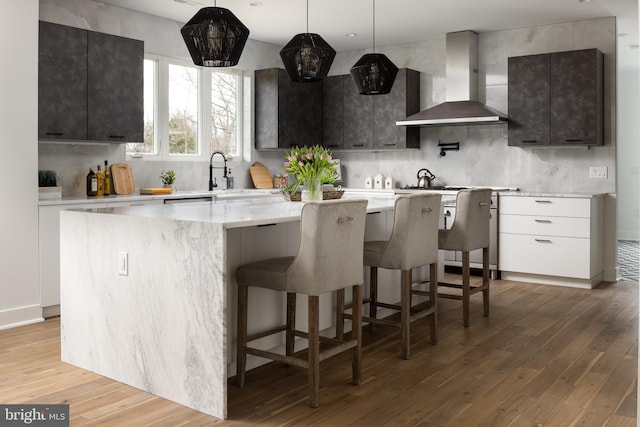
(123, 263)
(599, 172)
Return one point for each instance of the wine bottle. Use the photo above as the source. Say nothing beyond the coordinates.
(92, 183)
(107, 179)
(100, 178)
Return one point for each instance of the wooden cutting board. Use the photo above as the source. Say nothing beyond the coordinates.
(155, 190)
(261, 176)
(122, 178)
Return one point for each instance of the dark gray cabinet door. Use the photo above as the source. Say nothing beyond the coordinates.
(402, 101)
(529, 97)
(62, 82)
(115, 88)
(288, 114)
(358, 117)
(577, 104)
(333, 111)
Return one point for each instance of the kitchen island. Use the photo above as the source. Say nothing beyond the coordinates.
(148, 295)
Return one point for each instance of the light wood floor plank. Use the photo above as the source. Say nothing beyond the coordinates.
(547, 356)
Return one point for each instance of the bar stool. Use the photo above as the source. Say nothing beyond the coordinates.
(329, 258)
(413, 243)
(469, 231)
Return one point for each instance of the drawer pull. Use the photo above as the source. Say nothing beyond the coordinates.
(542, 221)
(543, 201)
(543, 240)
(529, 141)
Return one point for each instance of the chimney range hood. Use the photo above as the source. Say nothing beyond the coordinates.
(462, 106)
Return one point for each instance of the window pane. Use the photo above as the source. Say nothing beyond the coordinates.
(224, 112)
(183, 110)
(150, 85)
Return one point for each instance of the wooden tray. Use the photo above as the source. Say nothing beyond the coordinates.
(122, 178)
(261, 176)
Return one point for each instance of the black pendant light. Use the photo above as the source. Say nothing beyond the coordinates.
(215, 37)
(307, 57)
(374, 73)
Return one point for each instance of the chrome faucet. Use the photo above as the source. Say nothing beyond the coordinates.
(211, 168)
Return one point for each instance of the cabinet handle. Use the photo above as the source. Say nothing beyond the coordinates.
(373, 213)
(389, 145)
(116, 136)
(542, 221)
(573, 140)
(55, 133)
(266, 225)
(529, 141)
(543, 201)
(332, 145)
(543, 240)
(358, 145)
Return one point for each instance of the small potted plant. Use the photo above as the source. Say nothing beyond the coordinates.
(47, 185)
(168, 178)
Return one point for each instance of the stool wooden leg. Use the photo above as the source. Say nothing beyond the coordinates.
(405, 311)
(485, 281)
(356, 334)
(340, 314)
(466, 290)
(291, 323)
(313, 352)
(373, 295)
(241, 336)
(433, 296)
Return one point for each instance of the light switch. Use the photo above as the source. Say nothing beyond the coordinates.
(123, 263)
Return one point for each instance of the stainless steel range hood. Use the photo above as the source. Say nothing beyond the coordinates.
(462, 106)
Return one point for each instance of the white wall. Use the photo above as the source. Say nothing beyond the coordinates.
(19, 287)
(628, 167)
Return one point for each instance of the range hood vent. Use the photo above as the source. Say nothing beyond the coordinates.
(462, 106)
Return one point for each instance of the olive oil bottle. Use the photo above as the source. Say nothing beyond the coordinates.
(92, 183)
(107, 179)
(100, 178)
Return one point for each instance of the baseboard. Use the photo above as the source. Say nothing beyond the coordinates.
(628, 235)
(20, 316)
(553, 280)
(51, 311)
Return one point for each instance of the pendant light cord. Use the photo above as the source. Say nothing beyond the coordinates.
(307, 16)
(374, 26)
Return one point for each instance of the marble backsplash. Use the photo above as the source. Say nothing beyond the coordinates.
(484, 157)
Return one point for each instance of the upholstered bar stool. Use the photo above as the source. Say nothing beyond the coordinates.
(413, 243)
(469, 231)
(329, 258)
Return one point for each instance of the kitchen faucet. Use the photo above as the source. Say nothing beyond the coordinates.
(211, 168)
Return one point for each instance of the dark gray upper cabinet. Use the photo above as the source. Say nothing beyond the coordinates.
(62, 82)
(354, 121)
(288, 114)
(358, 117)
(333, 111)
(402, 101)
(556, 99)
(90, 85)
(115, 88)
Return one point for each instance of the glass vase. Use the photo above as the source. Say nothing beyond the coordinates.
(312, 191)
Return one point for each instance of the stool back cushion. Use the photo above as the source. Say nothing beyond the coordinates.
(414, 238)
(331, 247)
(470, 229)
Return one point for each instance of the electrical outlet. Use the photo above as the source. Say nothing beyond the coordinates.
(598, 172)
(123, 263)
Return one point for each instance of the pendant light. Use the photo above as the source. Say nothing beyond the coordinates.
(215, 37)
(374, 73)
(307, 57)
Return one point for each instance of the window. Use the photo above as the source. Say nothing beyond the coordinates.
(189, 112)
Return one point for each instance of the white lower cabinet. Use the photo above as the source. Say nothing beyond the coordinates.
(552, 240)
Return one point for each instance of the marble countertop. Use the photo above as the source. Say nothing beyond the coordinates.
(549, 194)
(233, 213)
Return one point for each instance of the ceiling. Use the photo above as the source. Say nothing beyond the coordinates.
(401, 21)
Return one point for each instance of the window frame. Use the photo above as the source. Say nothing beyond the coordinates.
(161, 111)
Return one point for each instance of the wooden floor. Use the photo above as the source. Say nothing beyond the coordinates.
(546, 356)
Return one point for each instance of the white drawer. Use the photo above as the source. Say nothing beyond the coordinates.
(546, 206)
(545, 225)
(554, 256)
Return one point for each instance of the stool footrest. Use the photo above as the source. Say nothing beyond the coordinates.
(266, 333)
